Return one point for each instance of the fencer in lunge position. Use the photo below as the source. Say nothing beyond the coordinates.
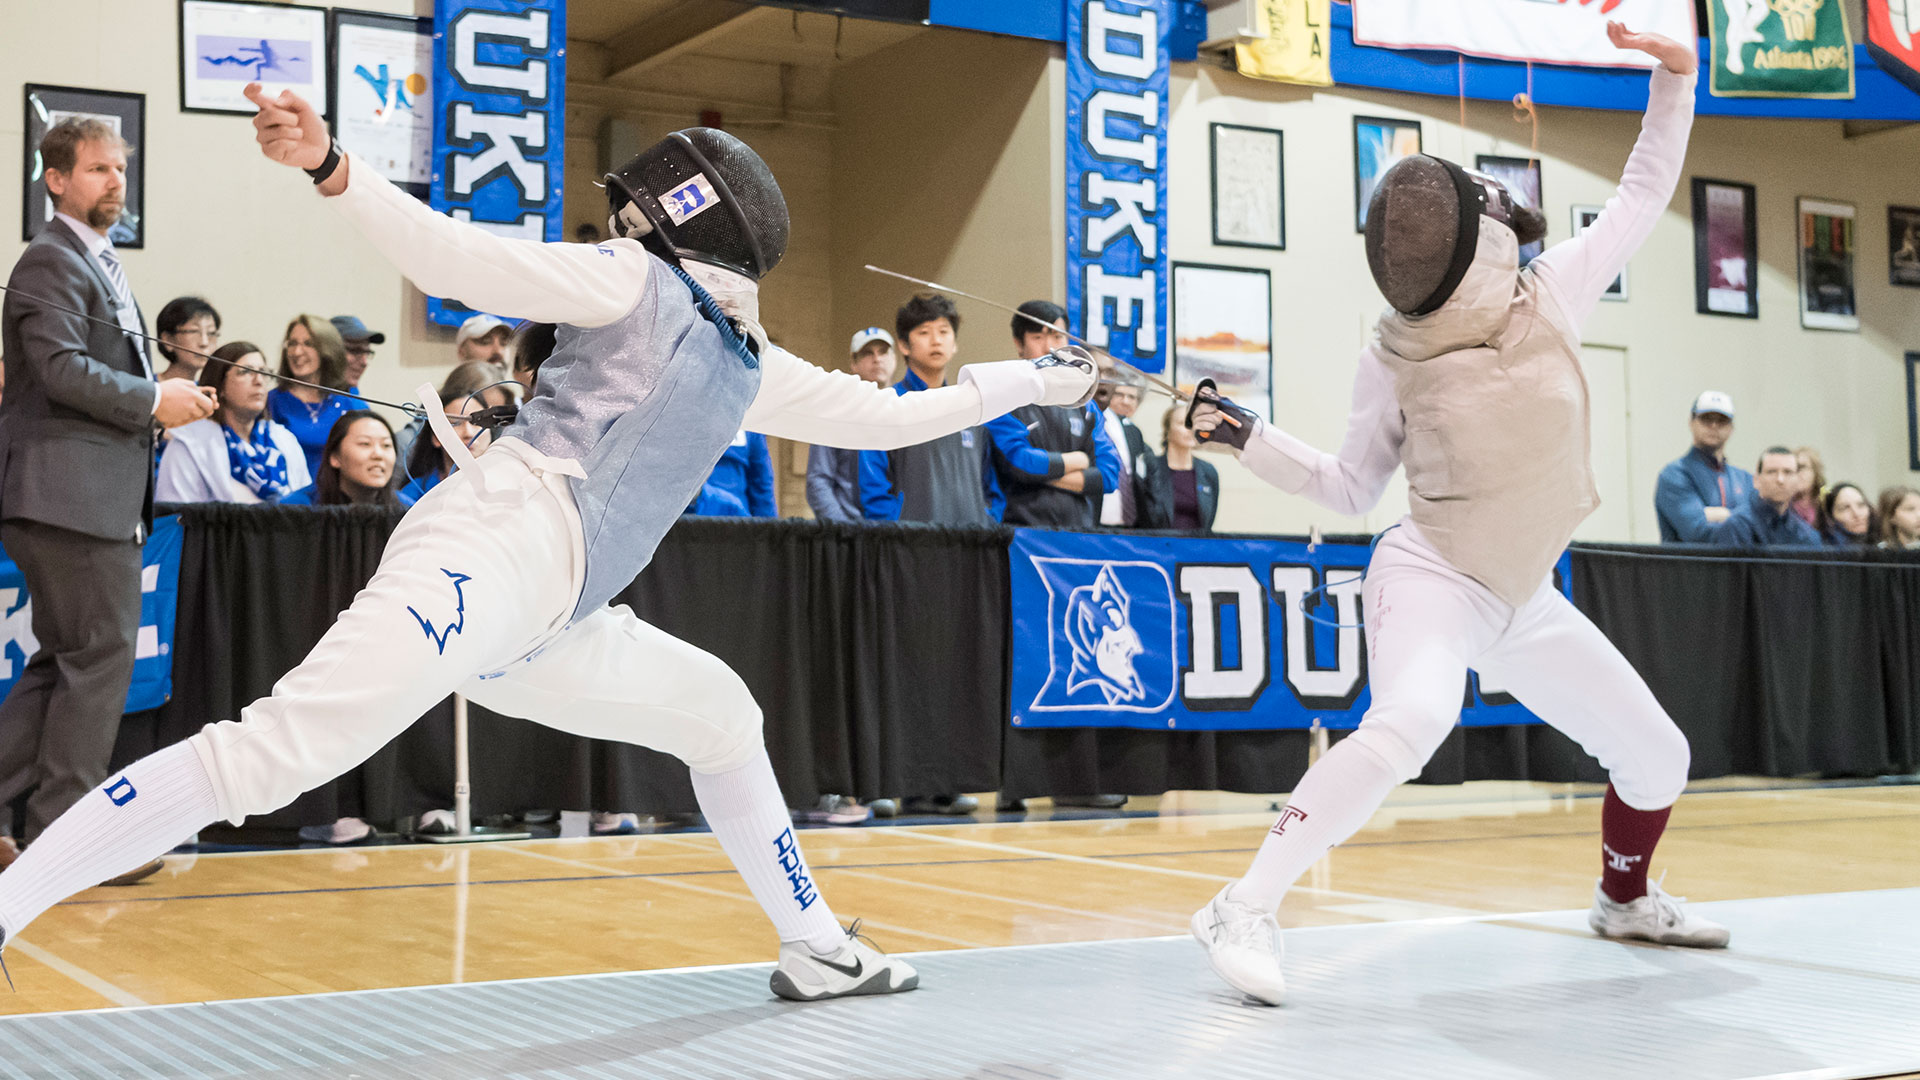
(1473, 382)
(496, 584)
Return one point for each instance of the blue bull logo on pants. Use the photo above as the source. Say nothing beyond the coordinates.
(1110, 633)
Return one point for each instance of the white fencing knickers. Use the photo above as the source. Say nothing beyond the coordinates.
(1427, 623)
(473, 595)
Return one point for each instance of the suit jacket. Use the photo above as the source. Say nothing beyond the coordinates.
(76, 422)
(1156, 505)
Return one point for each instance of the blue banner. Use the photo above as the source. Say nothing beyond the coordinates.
(1194, 634)
(1117, 64)
(159, 599)
(499, 125)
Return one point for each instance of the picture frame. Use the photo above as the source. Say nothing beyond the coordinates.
(1249, 200)
(1726, 249)
(225, 44)
(1583, 217)
(46, 106)
(381, 93)
(1223, 330)
(1828, 239)
(1522, 179)
(1903, 246)
(1913, 411)
(1378, 142)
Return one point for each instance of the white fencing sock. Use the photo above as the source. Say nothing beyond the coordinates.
(746, 811)
(1334, 799)
(139, 815)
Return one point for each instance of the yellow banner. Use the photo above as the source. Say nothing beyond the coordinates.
(1294, 43)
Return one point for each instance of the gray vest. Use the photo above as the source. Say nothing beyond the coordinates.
(646, 405)
(942, 481)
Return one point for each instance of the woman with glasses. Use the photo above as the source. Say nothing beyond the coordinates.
(313, 353)
(188, 329)
(238, 455)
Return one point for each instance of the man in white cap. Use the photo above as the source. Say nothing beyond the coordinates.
(483, 337)
(1698, 492)
(833, 474)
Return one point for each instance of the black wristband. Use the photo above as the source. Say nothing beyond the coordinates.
(328, 166)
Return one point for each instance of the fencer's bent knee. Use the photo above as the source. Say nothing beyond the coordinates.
(1388, 743)
(1656, 774)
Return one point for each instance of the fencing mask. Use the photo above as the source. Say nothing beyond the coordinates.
(701, 195)
(1423, 229)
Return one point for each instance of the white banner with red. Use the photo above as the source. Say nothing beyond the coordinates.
(1893, 37)
(1571, 32)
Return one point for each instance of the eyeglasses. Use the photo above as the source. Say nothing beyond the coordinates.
(359, 350)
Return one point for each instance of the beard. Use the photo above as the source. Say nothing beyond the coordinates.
(105, 214)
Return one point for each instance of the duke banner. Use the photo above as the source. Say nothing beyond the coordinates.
(153, 650)
(1199, 634)
(1117, 68)
(1893, 38)
(499, 87)
(1781, 48)
(1543, 31)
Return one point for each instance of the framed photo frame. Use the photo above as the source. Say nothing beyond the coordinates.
(226, 44)
(1827, 244)
(1378, 142)
(1584, 216)
(1726, 249)
(381, 86)
(1249, 186)
(1223, 330)
(1903, 246)
(125, 113)
(1913, 411)
(1522, 178)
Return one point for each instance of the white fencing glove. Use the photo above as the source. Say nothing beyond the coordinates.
(1069, 375)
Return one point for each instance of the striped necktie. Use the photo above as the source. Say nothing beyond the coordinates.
(128, 314)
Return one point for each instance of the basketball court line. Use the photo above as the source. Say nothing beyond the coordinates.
(117, 995)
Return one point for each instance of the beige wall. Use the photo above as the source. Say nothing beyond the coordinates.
(1844, 393)
(222, 221)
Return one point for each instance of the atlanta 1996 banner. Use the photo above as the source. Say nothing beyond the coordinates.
(1199, 634)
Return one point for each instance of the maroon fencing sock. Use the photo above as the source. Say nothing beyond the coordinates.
(1627, 839)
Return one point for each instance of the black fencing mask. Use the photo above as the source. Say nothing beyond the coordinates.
(1423, 229)
(702, 195)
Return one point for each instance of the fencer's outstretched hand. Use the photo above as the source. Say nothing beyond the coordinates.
(1068, 375)
(1216, 420)
(288, 129)
(1677, 58)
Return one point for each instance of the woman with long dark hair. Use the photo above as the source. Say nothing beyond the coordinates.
(1851, 521)
(238, 454)
(471, 387)
(356, 466)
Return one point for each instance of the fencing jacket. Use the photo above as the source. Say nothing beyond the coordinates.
(1484, 400)
(648, 382)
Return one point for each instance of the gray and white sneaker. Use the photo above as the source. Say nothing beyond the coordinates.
(1656, 917)
(1243, 945)
(858, 968)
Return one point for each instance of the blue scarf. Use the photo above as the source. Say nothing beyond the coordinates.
(256, 462)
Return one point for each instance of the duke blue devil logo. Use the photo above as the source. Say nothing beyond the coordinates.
(454, 625)
(1110, 636)
(693, 197)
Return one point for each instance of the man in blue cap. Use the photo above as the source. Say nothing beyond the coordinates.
(360, 342)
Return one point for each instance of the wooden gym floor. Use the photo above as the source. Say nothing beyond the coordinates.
(220, 926)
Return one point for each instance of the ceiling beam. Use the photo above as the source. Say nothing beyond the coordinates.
(680, 29)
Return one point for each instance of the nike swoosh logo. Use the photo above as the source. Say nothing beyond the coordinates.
(850, 972)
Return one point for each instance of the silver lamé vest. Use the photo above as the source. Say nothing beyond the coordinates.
(646, 405)
(1499, 472)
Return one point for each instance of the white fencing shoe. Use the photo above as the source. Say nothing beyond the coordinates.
(1243, 945)
(1655, 917)
(858, 968)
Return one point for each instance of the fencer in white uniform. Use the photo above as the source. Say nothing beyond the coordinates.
(1474, 384)
(496, 583)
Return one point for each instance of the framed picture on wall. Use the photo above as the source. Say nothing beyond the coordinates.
(1223, 330)
(226, 44)
(382, 86)
(1913, 411)
(1903, 245)
(1826, 265)
(1584, 216)
(1726, 251)
(1249, 186)
(124, 113)
(1378, 142)
(1522, 178)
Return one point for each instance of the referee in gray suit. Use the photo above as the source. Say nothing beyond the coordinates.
(76, 478)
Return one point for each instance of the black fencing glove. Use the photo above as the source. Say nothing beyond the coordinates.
(1214, 419)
